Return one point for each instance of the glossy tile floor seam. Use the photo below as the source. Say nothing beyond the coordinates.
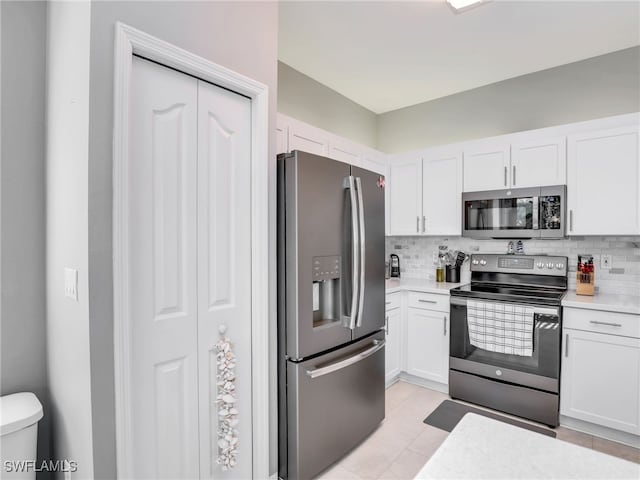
(402, 444)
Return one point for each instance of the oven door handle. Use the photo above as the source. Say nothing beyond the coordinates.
(554, 312)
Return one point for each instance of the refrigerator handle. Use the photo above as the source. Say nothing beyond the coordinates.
(319, 372)
(350, 184)
(361, 241)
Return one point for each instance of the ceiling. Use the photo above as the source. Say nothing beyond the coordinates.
(387, 55)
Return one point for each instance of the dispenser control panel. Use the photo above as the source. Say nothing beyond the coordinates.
(326, 268)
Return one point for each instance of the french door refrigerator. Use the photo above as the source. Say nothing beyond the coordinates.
(331, 308)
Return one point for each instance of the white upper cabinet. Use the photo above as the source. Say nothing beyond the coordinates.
(405, 195)
(344, 151)
(308, 139)
(603, 183)
(486, 168)
(442, 193)
(537, 163)
(522, 164)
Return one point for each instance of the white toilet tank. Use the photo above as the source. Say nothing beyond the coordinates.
(19, 416)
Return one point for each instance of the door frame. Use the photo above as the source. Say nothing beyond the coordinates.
(130, 41)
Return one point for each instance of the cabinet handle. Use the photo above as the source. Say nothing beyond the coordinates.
(514, 174)
(386, 325)
(571, 220)
(417, 224)
(426, 301)
(610, 324)
(505, 176)
(566, 345)
(424, 223)
(387, 303)
(444, 324)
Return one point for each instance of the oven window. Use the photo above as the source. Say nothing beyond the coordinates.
(499, 214)
(546, 346)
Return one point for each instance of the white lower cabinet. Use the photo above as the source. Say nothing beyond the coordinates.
(600, 380)
(393, 352)
(428, 344)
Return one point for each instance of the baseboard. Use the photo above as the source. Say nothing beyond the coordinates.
(422, 382)
(600, 431)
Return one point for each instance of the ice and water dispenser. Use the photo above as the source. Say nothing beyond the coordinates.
(326, 290)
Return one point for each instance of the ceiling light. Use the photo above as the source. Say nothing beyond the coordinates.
(459, 5)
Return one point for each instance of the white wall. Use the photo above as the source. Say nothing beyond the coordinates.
(305, 99)
(239, 35)
(597, 87)
(67, 237)
(22, 203)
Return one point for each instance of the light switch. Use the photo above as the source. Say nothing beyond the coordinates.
(71, 283)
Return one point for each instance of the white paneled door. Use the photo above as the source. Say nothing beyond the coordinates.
(189, 229)
(224, 262)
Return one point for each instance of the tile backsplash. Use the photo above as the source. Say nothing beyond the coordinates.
(416, 257)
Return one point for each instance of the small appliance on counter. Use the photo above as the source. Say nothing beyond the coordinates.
(585, 275)
(394, 261)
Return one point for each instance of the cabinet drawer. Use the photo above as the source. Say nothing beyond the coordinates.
(602, 322)
(392, 301)
(429, 301)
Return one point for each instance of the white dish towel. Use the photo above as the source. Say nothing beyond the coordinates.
(500, 327)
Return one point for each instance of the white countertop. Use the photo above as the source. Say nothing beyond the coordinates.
(419, 285)
(603, 301)
(483, 448)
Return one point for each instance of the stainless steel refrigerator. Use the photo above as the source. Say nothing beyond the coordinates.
(330, 310)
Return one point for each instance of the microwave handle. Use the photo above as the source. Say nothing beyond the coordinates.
(536, 212)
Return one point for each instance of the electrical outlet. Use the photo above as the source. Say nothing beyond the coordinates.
(605, 262)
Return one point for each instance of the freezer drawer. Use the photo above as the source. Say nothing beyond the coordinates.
(333, 402)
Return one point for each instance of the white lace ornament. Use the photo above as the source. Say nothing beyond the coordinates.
(226, 399)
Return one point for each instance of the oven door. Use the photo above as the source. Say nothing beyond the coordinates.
(540, 371)
(501, 214)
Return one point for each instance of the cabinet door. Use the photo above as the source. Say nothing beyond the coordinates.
(393, 351)
(603, 184)
(428, 344)
(405, 196)
(601, 379)
(308, 139)
(344, 152)
(374, 161)
(442, 194)
(539, 162)
(486, 168)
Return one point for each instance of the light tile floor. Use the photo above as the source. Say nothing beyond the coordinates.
(403, 443)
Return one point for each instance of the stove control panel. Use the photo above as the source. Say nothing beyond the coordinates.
(532, 264)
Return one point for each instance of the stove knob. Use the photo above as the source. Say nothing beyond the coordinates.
(559, 266)
(483, 262)
(540, 265)
(550, 265)
(475, 262)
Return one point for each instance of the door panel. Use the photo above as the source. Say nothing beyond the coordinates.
(442, 194)
(317, 235)
(162, 272)
(539, 163)
(405, 196)
(331, 413)
(224, 264)
(601, 380)
(486, 168)
(374, 287)
(604, 200)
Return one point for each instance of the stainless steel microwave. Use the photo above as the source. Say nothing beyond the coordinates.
(538, 212)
